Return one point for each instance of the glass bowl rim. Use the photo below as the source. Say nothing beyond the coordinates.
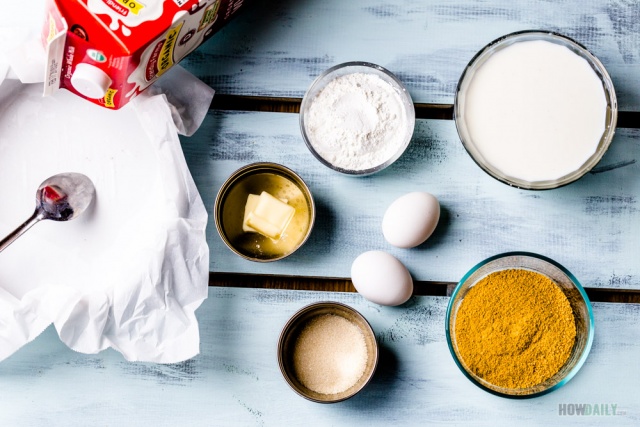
(574, 281)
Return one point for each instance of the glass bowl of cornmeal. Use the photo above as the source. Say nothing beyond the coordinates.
(264, 212)
(519, 325)
(535, 110)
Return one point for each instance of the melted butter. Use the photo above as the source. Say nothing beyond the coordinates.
(254, 244)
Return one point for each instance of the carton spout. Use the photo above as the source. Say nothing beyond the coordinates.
(90, 81)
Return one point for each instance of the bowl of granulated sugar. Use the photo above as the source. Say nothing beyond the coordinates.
(327, 352)
(357, 118)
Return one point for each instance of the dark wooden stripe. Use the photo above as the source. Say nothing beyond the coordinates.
(345, 285)
(614, 295)
(255, 103)
(626, 119)
(434, 111)
(629, 119)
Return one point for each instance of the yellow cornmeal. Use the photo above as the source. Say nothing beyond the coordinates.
(515, 328)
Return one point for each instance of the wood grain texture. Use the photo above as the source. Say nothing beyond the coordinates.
(278, 48)
(236, 380)
(592, 226)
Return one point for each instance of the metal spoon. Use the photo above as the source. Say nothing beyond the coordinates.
(60, 198)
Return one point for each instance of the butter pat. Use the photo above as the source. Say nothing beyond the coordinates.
(267, 215)
(252, 202)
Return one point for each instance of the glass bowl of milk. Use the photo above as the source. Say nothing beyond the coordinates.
(535, 110)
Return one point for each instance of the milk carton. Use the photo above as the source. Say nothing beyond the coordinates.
(108, 51)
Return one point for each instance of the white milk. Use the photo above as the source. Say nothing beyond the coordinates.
(535, 110)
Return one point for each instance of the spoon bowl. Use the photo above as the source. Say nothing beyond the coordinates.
(61, 197)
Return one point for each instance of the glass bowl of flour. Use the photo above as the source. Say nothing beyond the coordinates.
(535, 110)
(357, 118)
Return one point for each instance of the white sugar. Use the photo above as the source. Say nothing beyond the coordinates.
(330, 354)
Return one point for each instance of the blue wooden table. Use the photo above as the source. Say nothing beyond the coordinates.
(235, 381)
(274, 50)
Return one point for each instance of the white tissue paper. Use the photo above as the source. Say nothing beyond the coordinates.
(131, 271)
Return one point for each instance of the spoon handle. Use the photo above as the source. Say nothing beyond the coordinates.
(20, 230)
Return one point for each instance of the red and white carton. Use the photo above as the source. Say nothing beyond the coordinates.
(108, 51)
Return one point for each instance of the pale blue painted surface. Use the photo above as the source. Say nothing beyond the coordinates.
(235, 381)
(592, 226)
(277, 48)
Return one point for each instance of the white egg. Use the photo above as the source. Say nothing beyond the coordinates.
(411, 219)
(381, 278)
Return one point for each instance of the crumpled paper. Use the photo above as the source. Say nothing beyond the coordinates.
(131, 271)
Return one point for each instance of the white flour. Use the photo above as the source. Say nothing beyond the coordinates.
(357, 122)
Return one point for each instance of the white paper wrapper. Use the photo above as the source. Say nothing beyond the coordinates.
(131, 271)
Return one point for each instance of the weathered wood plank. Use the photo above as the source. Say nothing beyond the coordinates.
(626, 119)
(278, 48)
(592, 226)
(236, 380)
(419, 288)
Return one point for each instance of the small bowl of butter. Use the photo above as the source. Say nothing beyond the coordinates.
(264, 212)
